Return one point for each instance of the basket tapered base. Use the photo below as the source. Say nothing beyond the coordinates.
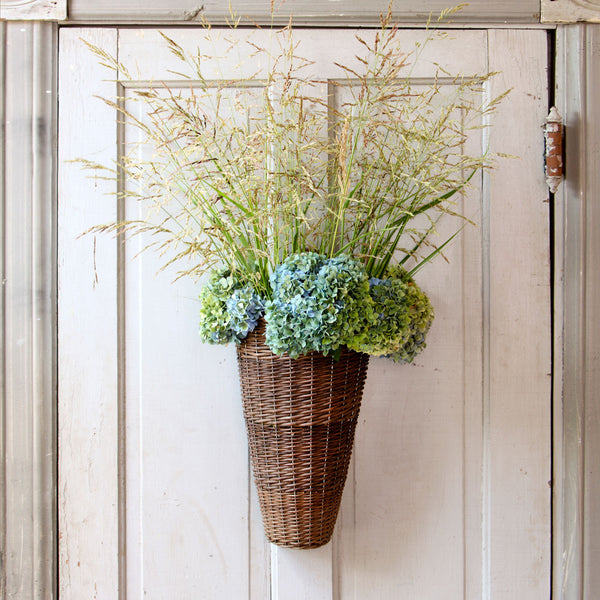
(300, 416)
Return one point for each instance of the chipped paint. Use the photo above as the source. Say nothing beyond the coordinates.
(553, 135)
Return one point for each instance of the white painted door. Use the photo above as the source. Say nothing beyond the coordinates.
(448, 495)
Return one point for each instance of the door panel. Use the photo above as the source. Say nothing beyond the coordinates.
(447, 494)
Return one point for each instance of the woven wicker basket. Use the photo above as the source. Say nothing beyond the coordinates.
(300, 416)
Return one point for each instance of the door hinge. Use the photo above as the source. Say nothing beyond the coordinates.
(553, 154)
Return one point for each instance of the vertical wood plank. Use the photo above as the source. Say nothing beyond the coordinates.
(87, 322)
(186, 482)
(577, 412)
(27, 394)
(519, 343)
(3, 520)
(474, 326)
(569, 378)
(301, 574)
(259, 571)
(577, 405)
(591, 155)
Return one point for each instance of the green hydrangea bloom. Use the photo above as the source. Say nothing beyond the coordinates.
(421, 317)
(228, 309)
(403, 316)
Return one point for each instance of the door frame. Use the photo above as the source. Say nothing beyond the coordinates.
(576, 319)
(28, 304)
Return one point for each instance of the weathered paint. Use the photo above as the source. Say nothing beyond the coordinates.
(28, 305)
(442, 446)
(576, 481)
(570, 11)
(33, 10)
(553, 135)
(572, 278)
(340, 13)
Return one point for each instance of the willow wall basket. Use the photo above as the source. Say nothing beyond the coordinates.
(300, 416)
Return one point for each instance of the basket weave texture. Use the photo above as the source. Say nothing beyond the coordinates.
(300, 416)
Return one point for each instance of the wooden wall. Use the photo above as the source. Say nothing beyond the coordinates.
(28, 274)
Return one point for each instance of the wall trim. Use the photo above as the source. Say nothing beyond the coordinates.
(577, 320)
(305, 12)
(28, 318)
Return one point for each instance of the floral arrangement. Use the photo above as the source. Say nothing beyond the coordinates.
(321, 304)
(313, 216)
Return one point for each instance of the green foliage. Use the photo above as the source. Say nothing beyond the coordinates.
(421, 317)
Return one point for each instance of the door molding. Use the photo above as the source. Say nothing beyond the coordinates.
(28, 310)
(306, 12)
(577, 320)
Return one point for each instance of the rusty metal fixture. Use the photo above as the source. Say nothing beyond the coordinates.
(553, 134)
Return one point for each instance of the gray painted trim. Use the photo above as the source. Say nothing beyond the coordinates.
(2, 317)
(577, 401)
(311, 12)
(28, 199)
(591, 458)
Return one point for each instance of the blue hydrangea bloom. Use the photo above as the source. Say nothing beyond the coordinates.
(318, 303)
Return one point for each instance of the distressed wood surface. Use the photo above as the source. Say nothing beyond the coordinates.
(27, 393)
(87, 321)
(187, 480)
(570, 11)
(29, 10)
(577, 402)
(591, 518)
(470, 461)
(518, 448)
(592, 347)
(452, 454)
(330, 12)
